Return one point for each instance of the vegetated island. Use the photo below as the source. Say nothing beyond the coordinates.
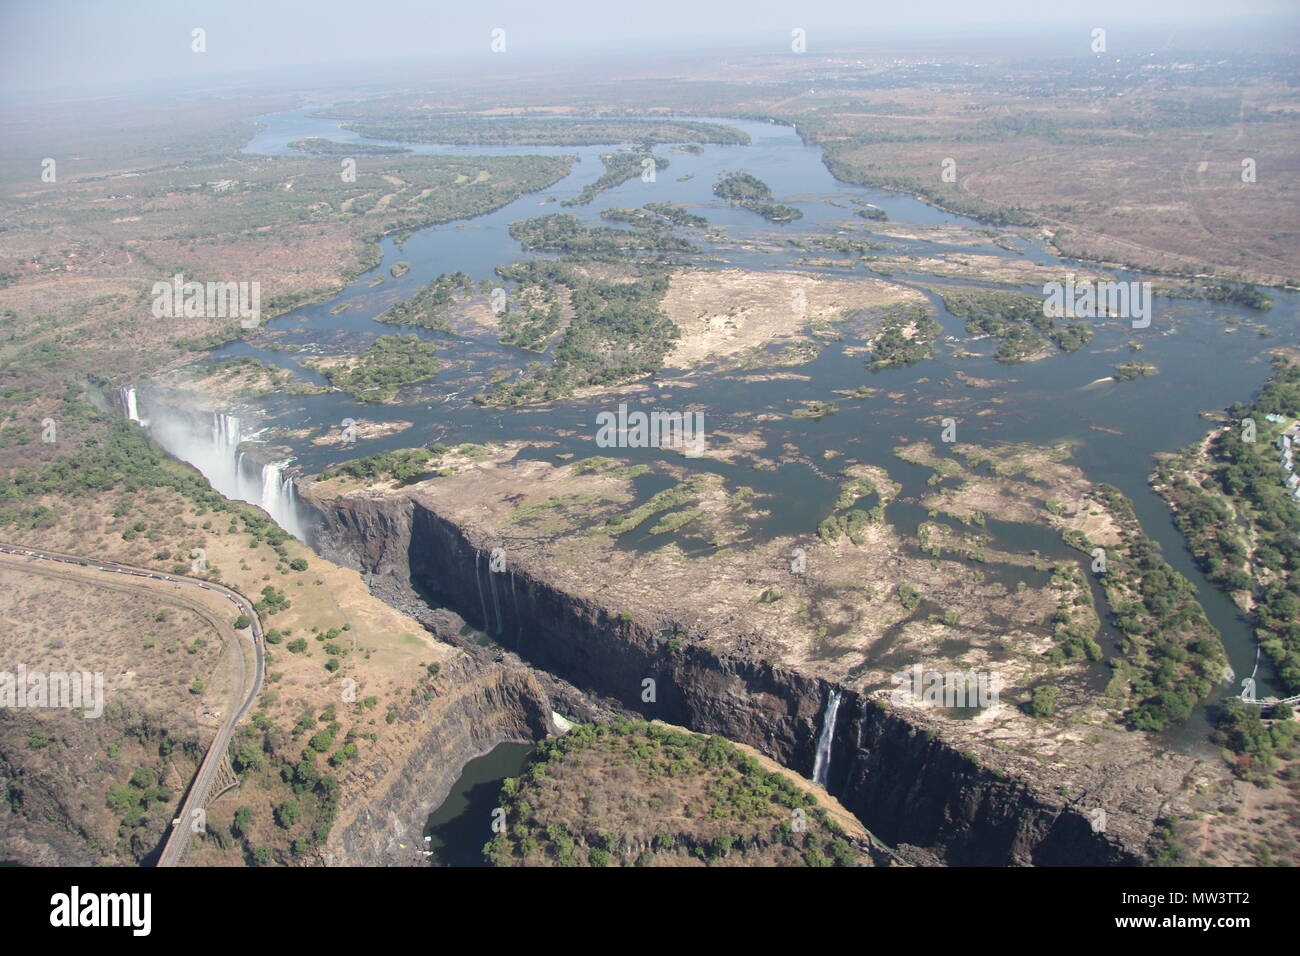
(1127, 371)
(655, 215)
(1246, 294)
(906, 336)
(428, 307)
(750, 192)
(1017, 321)
(331, 147)
(618, 331)
(562, 232)
(390, 363)
(619, 168)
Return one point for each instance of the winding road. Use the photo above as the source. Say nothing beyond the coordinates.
(21, 558)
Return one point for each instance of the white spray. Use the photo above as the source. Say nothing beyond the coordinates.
(822, 762)
(215, 451)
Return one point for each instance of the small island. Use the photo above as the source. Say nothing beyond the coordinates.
(750, 192)
(331, 147)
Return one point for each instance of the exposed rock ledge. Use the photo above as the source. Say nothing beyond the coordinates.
(904, 772)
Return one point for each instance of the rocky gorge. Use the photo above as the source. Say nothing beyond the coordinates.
(912, 777)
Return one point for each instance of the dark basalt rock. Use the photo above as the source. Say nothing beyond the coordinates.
(906, 786)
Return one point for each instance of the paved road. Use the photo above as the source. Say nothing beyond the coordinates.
(197, 795)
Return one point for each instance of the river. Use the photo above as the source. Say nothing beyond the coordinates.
(1209, 355)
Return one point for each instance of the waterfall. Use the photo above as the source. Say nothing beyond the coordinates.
(215, 450)
(479, 581)
(496, 605)
(519, 622)
(130, 404)
(233, 434)
(226, 432)
(822, 762)
(271, 480)
(277, 495)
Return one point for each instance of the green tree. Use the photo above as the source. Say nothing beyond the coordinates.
(143, 778)
(249, 757)
(119, 797)
(287, 813)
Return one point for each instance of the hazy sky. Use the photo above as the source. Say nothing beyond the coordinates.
(73, 43)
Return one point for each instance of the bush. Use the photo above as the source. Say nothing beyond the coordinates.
(909, 597)
(143, 778)
(1043, 703)
(287, 813)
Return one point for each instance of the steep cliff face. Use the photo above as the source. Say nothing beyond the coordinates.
(37, 826)
(918, 790)
(907, 786)
(483, 705)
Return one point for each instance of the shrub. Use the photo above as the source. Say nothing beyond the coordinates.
(1043, 703)
(286, 814)
(909, 597)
